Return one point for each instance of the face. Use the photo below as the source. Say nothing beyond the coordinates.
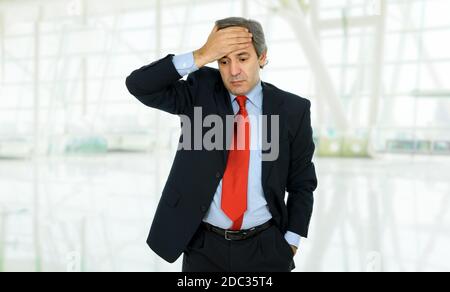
(240, 70)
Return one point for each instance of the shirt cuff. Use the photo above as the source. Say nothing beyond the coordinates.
(185, 64)
(293, 239)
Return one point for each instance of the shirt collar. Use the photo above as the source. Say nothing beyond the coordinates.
(254, 96)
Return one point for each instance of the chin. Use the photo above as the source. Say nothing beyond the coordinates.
(240, 91)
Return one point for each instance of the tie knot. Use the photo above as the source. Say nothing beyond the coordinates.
(241, 101)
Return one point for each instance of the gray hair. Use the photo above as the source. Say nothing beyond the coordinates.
(255, 28)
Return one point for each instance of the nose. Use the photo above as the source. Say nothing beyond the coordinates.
(235, 69)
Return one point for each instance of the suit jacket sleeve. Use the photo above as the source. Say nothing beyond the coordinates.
(158, 85)
(302, 179)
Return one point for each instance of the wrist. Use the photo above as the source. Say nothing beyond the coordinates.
(294, 249)
(199, 58)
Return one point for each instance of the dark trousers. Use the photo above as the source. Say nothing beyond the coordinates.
(266, 252)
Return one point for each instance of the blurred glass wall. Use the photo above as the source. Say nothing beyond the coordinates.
(82, 163)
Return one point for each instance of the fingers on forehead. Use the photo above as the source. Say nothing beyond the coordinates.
(235, 28)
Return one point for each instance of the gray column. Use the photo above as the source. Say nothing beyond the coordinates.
(2, 48)
(36, 148)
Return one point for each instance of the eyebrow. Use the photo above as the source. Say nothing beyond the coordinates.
(244, 54)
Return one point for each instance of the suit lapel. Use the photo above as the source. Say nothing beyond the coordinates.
(223, 102)
(272, 103)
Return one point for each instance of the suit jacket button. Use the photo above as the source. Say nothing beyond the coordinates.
(218, 175)
(204, 209)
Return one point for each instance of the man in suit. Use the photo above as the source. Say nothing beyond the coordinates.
(225, 208)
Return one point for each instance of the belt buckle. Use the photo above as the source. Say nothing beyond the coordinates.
(227, 232)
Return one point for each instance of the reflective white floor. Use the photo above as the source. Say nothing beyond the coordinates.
(94, 213)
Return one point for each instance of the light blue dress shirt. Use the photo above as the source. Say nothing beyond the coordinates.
(257, 209)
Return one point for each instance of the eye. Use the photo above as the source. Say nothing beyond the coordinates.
(223, 62)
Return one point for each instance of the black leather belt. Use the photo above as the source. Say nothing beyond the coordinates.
(232, 235)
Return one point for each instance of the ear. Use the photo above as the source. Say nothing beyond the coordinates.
(263, 60)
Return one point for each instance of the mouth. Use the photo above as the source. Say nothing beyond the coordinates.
(236, 83)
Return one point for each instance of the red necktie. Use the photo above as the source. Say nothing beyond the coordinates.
(235, 180)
